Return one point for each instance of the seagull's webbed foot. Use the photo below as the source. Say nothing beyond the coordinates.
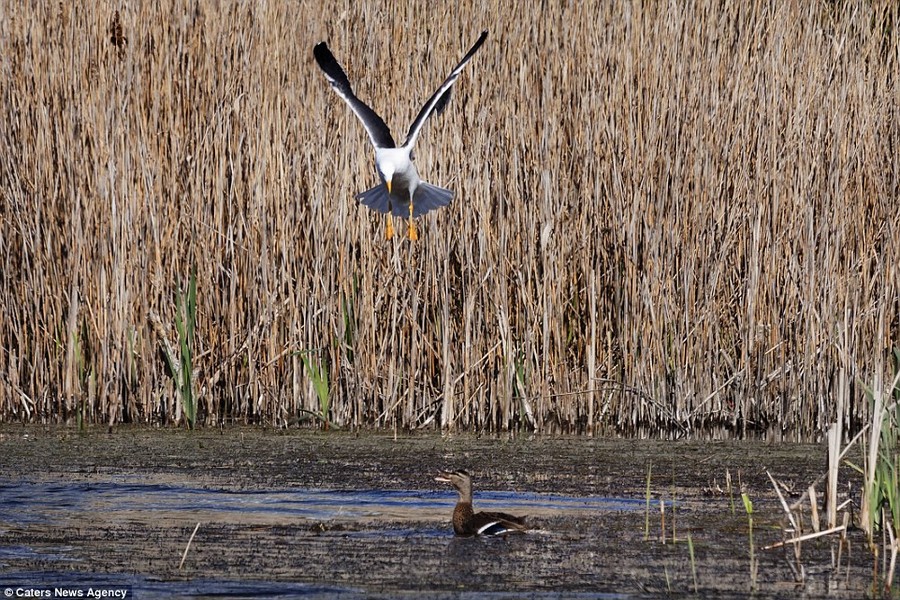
(389, 228)
(413, 233)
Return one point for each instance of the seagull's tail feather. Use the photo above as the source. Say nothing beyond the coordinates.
(428, 197)
(376, 198)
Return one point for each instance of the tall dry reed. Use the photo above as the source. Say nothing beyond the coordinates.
(671, 218)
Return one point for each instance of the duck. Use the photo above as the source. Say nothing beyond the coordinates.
(466, 521)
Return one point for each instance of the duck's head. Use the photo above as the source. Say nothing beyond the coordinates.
(460, 480)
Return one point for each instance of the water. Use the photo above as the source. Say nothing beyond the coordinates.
(134, 586)
(145, 589)
(373, 517)
(277, 520)
(23, 503)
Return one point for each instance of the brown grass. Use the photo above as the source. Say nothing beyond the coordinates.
(667, 218)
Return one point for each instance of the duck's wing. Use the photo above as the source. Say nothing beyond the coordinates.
(439, 99)
(375, 126)
(497, 523)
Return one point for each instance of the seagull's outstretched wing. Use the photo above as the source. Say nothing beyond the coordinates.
(378, 131)
(439, 99)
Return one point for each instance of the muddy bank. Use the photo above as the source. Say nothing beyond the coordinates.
(300, 513)
(256, 458)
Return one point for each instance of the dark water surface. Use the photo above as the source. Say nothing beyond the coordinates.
(290, 514)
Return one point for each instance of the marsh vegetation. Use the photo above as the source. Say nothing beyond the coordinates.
(669, 219)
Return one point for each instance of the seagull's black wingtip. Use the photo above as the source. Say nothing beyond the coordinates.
(321, 50)
(329, 64)
(477, 44)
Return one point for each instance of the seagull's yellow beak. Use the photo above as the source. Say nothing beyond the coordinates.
(388, 183)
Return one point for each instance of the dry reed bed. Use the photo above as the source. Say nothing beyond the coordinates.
(668, 218)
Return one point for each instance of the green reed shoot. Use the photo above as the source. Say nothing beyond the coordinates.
(882, 473)
(690, 543)
(881, 489)
(318, 374)
(185, 320)
(519, 384)
(748, 506)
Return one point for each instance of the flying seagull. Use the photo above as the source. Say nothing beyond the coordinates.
(401, 192)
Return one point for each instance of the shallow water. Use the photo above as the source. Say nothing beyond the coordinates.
(136, 586)
(373, 516)
(290, 514)
(65, 503)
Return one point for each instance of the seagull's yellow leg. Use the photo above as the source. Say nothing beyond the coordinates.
(389, 228)
(413, 234)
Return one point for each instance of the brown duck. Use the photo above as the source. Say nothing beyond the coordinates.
(468, 522)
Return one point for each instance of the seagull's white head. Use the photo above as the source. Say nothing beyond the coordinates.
(387, 171)
(391, 162)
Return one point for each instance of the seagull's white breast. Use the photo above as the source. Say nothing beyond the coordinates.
(393, 162)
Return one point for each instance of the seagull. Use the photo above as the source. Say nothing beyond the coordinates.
(401, 192)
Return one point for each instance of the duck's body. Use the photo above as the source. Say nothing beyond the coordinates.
(468, 522)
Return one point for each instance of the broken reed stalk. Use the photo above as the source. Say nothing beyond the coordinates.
(626, 220)
(188, 546)
(833, 438)
(730, 490)
(814, 508)
(796, 522)
(784, 505)
(843, 542)
(809, 536)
